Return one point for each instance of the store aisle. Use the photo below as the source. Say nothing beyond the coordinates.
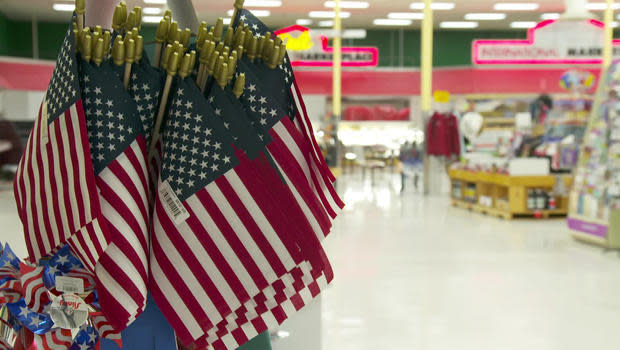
(414, 273)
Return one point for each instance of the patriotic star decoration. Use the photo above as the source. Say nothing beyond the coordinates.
(60, 264)
(86, 338)
(109, 115)
(197, 149)
(8, 257)
(63, 90)
(36, 322)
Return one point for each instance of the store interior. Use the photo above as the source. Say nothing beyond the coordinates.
(473, 144)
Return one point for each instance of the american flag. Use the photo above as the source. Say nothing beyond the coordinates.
(118, 148)
(35, 294)
(56, 339)
(217, 238)
(146, 85)
(281, 89)
(55, 183)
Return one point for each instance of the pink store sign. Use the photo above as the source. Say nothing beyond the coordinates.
(550, 42)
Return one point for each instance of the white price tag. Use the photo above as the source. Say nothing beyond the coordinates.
(172, 204)
(69, 284)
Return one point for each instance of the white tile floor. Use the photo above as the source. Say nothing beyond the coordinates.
(414, 273)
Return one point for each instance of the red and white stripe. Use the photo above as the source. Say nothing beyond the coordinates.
(4, 345)
(121, 271)
(105, 329)
(56, 339)
(55, 184)
(234, 244)
(35, 294)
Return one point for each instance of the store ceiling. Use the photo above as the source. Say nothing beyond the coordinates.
(292, 10)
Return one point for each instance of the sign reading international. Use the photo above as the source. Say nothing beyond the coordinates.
(550, 42)
(309, 49)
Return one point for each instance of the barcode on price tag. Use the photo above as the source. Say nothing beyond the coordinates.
(172, 204)
(69, 284)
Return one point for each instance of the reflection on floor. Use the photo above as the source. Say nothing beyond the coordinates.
(414, 273)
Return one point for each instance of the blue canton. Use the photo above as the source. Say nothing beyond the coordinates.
(63, 90)
(86, 339)
(111, 114)
(146, 85)
(36, 322)
(197, 147)
(8, 257)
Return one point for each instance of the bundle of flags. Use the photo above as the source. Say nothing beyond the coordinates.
(197, 180)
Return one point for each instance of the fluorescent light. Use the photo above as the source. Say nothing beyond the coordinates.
(152, 11)
(304, 22)
(348, 4)
(392, 22)
(262, 3)
(161, 2)
(226, 20)
(523, 24)
(434, 6)
(152, 19)
(354, 34)
(601, 6)
(328, 14)
(485, 16)
(516, 6)
(257, 13)
(458, 24)
(326, 23)
(552, 15)
(405, 15)
(64, 7)
(615, 24)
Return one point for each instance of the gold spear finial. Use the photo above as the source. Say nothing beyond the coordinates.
(232, 66)
(107, 36)
(185, 36)
(98, 57)
(118, 20)
(282, 54)
(185, 62)
(239, 85)
(166, 56)
(118, 52)
(131, 20)
(162, 32)
(87, 47)
(221, 76)
(139, 47)
(219, 28)
(130, 51)
(172, 31)
(230, 36)
(192, 61)
(138, 19)
(173, 64)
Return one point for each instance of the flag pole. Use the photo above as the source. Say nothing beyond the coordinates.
(173, 63)
(238, 6)
(160, 38)
(80, 9)
(130, 53)
(609, 35)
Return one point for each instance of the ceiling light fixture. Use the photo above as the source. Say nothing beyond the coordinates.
(63, 7)
(328, 14)
(161, 2)
(152, 11)
(392, 22)
(523, 24)
(516, 6)
(152, 19)
(405, 15)
(304, 22)
(257, 13)
(348, 4)
(434, 6)
(326, 23)
(485, 16)
(601, 6)
(458, 25)
(547, 16)
(262, 3)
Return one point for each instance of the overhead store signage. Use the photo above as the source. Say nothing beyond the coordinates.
(306, 49)
(550, 42)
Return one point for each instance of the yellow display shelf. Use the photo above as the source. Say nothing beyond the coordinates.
(508, 193)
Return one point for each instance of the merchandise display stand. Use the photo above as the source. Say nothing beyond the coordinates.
(594, 214)
(508, 196)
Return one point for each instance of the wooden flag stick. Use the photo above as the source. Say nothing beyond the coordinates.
(80, 8)
(130, 54)
(160, 38)
(173, 64)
